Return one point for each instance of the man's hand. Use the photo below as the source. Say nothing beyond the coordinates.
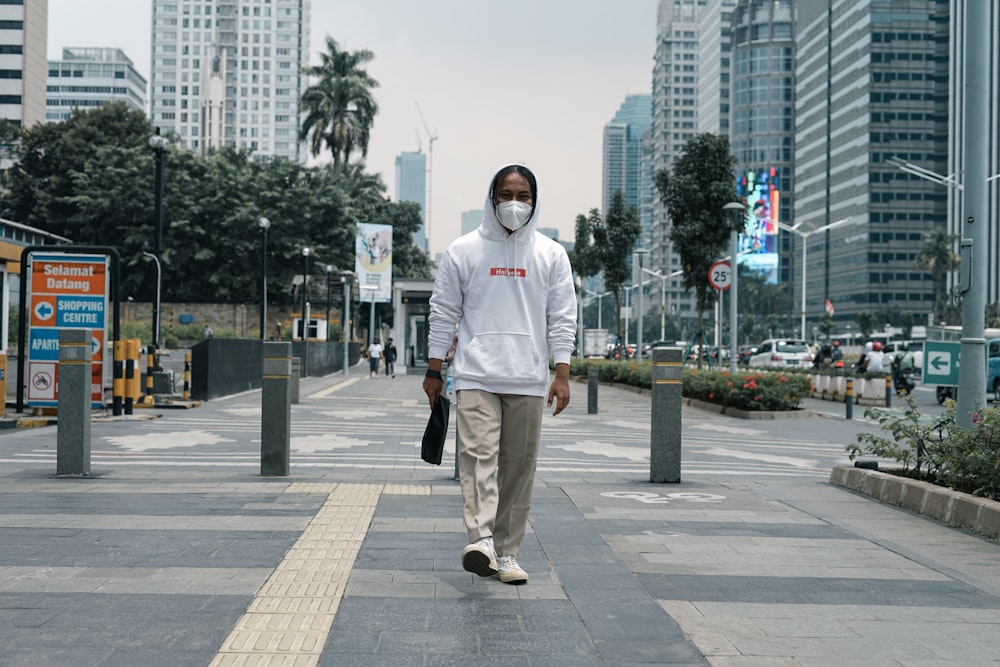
(559, 389)
(433, 386)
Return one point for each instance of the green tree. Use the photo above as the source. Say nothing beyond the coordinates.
(868, 322)
(614, 237)
(339, 108)
(51, 157)
(939, 257)
(694, 192)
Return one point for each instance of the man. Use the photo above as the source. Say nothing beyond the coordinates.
(509, 289)
(389, 353)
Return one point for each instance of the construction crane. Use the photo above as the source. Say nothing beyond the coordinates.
(431, 138)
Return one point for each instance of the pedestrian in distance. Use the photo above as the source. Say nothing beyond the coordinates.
(374, 356)
(509, 290)
(389, 354)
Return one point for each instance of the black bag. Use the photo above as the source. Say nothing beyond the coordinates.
(436, 432)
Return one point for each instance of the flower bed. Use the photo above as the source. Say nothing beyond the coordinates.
(751, 391)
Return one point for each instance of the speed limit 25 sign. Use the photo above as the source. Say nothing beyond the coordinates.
(720, 276)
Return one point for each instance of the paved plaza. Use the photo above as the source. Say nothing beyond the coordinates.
(175, 551)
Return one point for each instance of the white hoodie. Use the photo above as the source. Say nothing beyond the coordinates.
(512, 298)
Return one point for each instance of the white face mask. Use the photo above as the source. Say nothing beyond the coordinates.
(513, 214)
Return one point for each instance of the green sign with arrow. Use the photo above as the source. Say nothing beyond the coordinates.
(941, 362)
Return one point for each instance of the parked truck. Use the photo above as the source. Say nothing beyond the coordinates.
(595, 343)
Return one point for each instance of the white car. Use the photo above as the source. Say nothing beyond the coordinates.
(782, 353)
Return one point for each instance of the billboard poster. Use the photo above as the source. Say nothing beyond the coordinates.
(760, 191)
(66, 291)
(373, 262)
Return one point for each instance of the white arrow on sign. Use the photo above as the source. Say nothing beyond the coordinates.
(940, 362)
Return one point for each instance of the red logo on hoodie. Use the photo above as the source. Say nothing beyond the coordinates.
(501, 271)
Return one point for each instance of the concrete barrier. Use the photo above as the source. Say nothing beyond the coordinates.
(276, 410)
(73, 427)
(665, 430)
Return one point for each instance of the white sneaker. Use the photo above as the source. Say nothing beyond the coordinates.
(480, 558)
(510, 572)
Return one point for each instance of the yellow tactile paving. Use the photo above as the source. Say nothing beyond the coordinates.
(311, 487)
(407, 490)
(288, 622)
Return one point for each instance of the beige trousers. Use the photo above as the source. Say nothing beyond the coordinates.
(498, 436)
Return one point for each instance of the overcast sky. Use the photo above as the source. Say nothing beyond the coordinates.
(532, 81)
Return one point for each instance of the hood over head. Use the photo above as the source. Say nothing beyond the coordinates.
(492, 227)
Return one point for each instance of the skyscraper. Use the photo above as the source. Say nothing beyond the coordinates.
(622, 158)
(23, 41)
(411, 185)
(229, 72)
(675, 118)
(870, 85)
(86, 78)
(471, 220)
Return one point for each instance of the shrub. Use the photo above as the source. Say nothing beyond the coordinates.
(940, 451)
(747, 391)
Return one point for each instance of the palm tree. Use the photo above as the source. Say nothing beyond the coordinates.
(939, 257)
(340, 107)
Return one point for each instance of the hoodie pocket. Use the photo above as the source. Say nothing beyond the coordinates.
(501, 356)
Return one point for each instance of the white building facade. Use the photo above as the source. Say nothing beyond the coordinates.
(86, 78)
(23, 66)
(230, 72)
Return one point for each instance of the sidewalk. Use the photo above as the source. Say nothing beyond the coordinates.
(176, 552)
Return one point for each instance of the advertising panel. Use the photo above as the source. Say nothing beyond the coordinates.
(373, 262)
(758, 248)
(66, 291)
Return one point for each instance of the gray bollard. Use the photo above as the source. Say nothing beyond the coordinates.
(888, 391)
(296, 376)
(276, 410)
(665, 431)
(849, 399)
(73, 430)
(591, 391)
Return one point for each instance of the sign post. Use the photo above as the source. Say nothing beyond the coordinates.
(68, 291)
(941, 362)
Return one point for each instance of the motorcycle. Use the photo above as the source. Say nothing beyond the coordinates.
(903, 381)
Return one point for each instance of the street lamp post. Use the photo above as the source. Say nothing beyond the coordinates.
(159, 145)
(804, 236)
(305, 312)
(579, 317)
(329, 270)
(264, 225)
(156, 311)
(346, 279)
(738, 212)
(638, 257)
(663, 300)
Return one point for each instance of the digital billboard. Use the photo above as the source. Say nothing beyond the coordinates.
(760, 192)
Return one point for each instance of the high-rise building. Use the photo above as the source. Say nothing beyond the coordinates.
(675, 121)
(871, 85)
(623, 147)
(471, 220)
(411, 185)
(762, 131)
(86, 78)
(230, 72)
(714, 55)
(23, 41)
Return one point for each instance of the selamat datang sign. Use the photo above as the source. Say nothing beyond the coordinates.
(66, 291)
